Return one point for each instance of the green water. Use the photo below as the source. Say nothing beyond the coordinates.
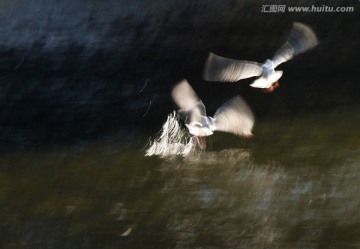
(295, 184)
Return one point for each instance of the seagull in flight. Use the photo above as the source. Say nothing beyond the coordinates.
(217, 68)
(234, 116)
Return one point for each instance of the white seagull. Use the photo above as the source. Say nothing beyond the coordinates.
(217, 68)
(234, 116)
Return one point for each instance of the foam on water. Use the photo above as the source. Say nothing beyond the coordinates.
(173, 140)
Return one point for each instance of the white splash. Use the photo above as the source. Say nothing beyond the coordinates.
(174, 140)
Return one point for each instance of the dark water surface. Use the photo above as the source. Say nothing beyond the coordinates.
(84, 84)
(294, 185)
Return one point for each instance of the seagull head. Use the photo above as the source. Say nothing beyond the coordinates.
(268, 68)
(211, 123)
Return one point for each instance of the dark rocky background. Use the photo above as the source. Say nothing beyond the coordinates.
(81, 70)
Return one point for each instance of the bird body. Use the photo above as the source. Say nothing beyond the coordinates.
(217, 68)
(201, 126)
(234, 116)
(200, 130)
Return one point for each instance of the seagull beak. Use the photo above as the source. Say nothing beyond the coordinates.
(272, 88)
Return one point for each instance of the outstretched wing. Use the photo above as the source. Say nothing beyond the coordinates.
(218, 68)
(189, 103)
(301, 39)
(236, 117)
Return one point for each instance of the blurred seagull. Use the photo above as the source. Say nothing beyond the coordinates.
(234, 116)
(217, 68)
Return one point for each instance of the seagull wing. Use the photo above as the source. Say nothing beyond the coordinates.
(218, 68)
(301, 39)
(189, 103)
(236, 117)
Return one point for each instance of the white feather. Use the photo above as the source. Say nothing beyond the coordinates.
(266, 82)
(234, 116)
(301, 39)
(217, 68)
